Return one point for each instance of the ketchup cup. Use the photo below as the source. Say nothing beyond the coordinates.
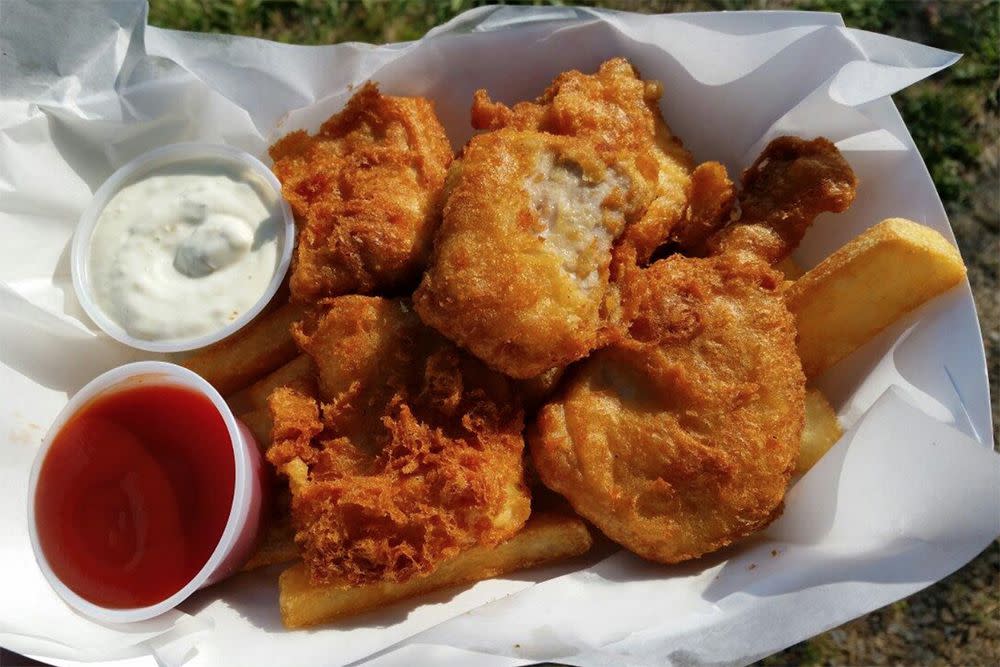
(237, 539)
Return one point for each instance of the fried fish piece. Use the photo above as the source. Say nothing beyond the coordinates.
(790, 183)
(411, 453)
(613, 108)
(520, 272)
(680, 438)
(366, 192)
(710, 207)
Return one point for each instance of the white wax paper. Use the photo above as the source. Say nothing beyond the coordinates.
(908, 496)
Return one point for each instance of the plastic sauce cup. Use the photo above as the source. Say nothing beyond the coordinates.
(250, 168)
(249, 495)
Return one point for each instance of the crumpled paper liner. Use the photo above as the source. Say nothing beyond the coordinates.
(908, 495)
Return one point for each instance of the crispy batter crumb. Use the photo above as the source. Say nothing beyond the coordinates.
(411, 453)
(367, 195)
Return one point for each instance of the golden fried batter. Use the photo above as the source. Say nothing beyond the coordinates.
(520, 272)
(613, 108)
(790, 183)
(412, 454)
(619, 114)
(710, 203)
(366, 192)
(680, 438)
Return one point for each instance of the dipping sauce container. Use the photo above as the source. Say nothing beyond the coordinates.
(146, 488)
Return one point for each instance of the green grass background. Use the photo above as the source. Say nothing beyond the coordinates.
(954, 120)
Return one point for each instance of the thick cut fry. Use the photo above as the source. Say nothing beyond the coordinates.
(297, 374)
(259, 422)
(255, 350)
(790, 269)
(545, 538)
(276, 545)
(821, 432)
(867, 285)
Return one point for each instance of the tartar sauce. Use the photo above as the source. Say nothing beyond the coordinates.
(182, 254)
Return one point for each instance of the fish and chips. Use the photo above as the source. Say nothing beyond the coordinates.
(573, 279)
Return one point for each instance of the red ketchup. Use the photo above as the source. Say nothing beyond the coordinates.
(134, 493)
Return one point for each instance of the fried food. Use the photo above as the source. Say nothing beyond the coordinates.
(403, 455)
(521, 266)
(822, 431)
(866, 285)
(366, 192)
(276, 543)
(680, 438)
(545, 538)
(259, 422)
(297, 373)
(520, 273)
(710, 204)
(790, 183)
(410, 454)
(618, 113)
(255, 350)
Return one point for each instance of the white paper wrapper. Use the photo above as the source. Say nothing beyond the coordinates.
(908, 496)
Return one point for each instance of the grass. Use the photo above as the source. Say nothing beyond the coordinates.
(953, 118)
(308, 21)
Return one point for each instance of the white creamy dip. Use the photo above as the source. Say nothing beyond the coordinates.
(181, 253)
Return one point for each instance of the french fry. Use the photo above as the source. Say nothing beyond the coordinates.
(821, 432)
(276, 545)
(277, 541)
(545, 538)
(255, 350)
(790, 269)
(259, 422)
(865, 286)
(297, 373)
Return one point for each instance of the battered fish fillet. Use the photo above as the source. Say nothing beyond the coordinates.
(680, 438)
(617, 112)
(520, 272)
(787, 186)
(366, 192)
(411, 453)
